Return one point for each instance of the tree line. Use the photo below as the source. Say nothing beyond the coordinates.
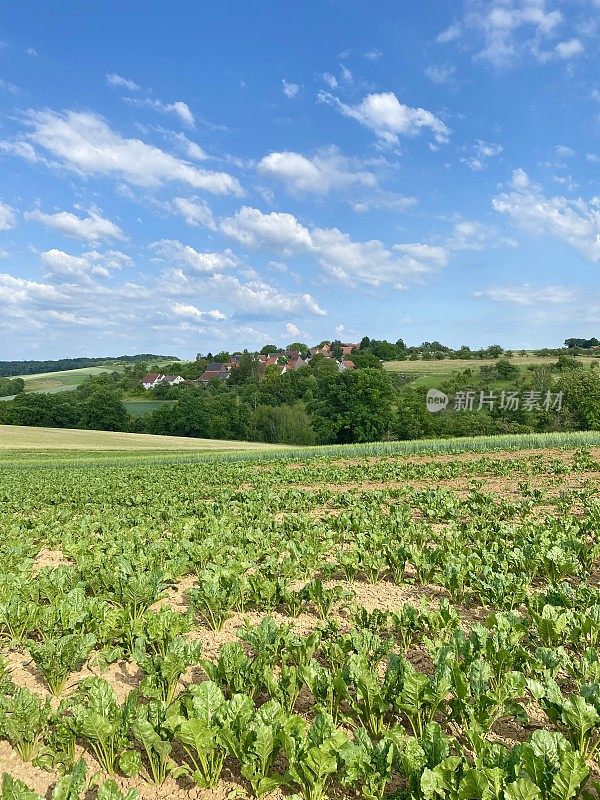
(8, 368)
(316, 404)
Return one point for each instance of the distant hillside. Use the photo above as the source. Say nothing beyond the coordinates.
(13, 368)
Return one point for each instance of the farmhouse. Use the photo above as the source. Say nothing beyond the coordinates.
(151, 380)
(154, 379)
(214, 370)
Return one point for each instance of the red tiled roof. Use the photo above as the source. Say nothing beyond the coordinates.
(150, 377)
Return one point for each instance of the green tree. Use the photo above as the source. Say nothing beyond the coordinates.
(353, 406)
(284, 424)
(581, 395)
(269, 348)
(505, 370)
(246, 371)
(299, 346)
(104, 411)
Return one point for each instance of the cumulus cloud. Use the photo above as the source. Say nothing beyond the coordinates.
(83, 142)
(573, 221)
(194, 211)
(190, 311)
(182, 254)
(252, 228)
(328, 169)
(256, 299)
(57, 263)
(8, 218)
(338, 255)
(92, 228)
(388, 118)
(119, 82)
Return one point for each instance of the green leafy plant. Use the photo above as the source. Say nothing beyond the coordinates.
(98, 720)
(57, 658)
(198, 728)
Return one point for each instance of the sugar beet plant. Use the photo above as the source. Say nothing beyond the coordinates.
(368, 629)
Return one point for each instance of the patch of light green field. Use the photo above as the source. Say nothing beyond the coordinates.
(23, 438)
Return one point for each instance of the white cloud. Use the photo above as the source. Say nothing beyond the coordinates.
(371, 262)
(31, 51)
(195, 212)
(474, 235)
(567, 181)
(480, 153)
(191, 149)
(182, 310)
(441, 74)
(7, 86)
(92, 228)
(184, 255)
(527, 295)
(573, 221)
(256, 299)
(121, 83)
(569, 49)
(388, 118)
(330, 80)
(84, 143)
(374, 54)
(290, 89)
(179, 108)
(292, 330)
(58, 263)
(252, 228)
(8, 219)
(328, 169)
(450, 34)
(508, 31)
(16, 291)
(338, 255)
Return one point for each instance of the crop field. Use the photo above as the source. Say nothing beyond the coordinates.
(38, 440)
(449, 366)
(62, 381)
(347, 625)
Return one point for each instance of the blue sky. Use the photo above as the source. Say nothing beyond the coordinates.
(184, 177)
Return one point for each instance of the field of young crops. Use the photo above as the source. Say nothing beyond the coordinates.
(348, 626)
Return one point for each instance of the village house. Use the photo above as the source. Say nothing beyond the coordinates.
(154, 379)
(324, 350)
(214, 370)
(296, 363)
(345, 365)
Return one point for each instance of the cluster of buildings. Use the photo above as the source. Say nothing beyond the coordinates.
(154, 379)
(282, 361)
